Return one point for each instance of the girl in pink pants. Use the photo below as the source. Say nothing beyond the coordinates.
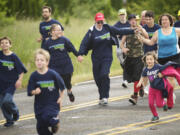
(151, 73)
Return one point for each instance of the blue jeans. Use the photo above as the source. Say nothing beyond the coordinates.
(8, 106)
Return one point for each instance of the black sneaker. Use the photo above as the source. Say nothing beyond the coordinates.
(71, 97)
(9, 124)
(133, 99)
(55, 128)
(16, 116)
(165, 108)
(141, 92)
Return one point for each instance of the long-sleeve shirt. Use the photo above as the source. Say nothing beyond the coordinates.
(101, 41)
(59, 49)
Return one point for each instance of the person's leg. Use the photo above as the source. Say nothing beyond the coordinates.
(9, 109)
(170, 101)
(152, 98)
(96, 74)
(54, 123)
(42, 127)
(159, 99)
(105, 80)
(67, 81)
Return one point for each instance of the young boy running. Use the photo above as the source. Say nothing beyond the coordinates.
(11, 75)
(48, 87)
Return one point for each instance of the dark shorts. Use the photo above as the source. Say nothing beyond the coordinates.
(174, 58)
(67, 80)
(133, 68)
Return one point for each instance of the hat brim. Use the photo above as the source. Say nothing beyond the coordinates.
(99, 19)
(121, 13)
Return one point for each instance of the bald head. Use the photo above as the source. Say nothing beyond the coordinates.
(143, 20)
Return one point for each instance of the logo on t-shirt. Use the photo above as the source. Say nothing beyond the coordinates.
(8, 64)
(57, 46)
(47, 84)
(152, 75)
(105, 36)
(47, 27)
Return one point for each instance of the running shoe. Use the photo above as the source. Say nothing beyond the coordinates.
(133, 99)
(55, 128)
(124, 84)
(165, 108)
(155, 119)
(71, 97)
(9, 124)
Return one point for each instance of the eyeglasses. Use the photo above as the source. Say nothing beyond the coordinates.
(100, 22)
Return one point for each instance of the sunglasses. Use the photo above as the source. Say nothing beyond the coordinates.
(100, 22)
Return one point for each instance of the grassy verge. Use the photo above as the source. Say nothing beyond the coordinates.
(25, 32)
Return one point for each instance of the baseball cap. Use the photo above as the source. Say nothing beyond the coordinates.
(122, 11)
(131, 16)
(179, 13)
(99, 17)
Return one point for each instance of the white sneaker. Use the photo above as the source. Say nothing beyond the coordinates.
(105, 101)
(101, 102)
(174, 98)
(124, 84)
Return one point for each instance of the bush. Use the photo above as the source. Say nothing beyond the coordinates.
(6, 20)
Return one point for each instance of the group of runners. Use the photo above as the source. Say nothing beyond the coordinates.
(138, 46)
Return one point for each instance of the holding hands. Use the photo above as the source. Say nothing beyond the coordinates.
(80, 58)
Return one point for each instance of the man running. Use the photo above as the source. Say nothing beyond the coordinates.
(45, 25)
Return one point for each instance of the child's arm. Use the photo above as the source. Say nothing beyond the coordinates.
(142, 81)
(19, 81)
(37, 91)
(59, 101)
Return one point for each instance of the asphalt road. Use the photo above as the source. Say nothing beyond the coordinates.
(86, 117)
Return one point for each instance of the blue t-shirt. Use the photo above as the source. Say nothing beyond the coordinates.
(122, 25)
(59, 49)
(167, 44)
(150, 32)
(44, 29)
(50, 83)
(10, 69)
(152, 74)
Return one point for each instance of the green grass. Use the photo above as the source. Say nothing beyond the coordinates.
(25, 32)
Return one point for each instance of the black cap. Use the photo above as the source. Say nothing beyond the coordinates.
(131, 16)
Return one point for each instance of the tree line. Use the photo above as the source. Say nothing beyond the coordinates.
(84, 8)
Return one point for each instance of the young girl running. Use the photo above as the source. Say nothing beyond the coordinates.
(59, 46)
(155, 95)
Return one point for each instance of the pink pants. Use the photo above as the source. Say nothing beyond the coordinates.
(155, 96)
